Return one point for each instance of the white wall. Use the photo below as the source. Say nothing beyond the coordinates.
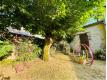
(96, 34)
(76, 44)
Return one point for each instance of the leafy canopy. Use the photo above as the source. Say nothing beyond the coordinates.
(50, 18)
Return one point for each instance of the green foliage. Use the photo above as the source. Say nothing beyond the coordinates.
(50, 18)
(27, 51)
(27, 47)
(99, 54)
(69, 38)
(71, 49)
(5, 48)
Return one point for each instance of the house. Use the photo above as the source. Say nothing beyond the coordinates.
(23, 34)
(94, 36)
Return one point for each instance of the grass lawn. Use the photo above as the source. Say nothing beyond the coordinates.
(59, 67)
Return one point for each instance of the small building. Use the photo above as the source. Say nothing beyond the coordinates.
(23, 32)
(94, 36)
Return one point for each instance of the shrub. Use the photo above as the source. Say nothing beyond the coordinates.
(100, 54)
(5, 48)
(27, 51)
(71, 49)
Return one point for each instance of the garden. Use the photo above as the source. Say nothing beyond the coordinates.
(36, 37)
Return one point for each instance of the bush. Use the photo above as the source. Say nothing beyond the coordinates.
(5, 48)
(100, 54)
(27, 51)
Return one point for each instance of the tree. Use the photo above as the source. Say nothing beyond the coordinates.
(51, 18)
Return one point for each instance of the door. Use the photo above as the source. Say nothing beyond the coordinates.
(84, 40)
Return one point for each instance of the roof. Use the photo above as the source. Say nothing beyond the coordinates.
(88, 25)
(19, 31)
(98, 22)
(23, 32)
(91, 21)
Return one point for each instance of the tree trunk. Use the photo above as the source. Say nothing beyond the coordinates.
(46, 50)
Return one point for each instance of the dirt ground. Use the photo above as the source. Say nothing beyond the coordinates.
(59, 67)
